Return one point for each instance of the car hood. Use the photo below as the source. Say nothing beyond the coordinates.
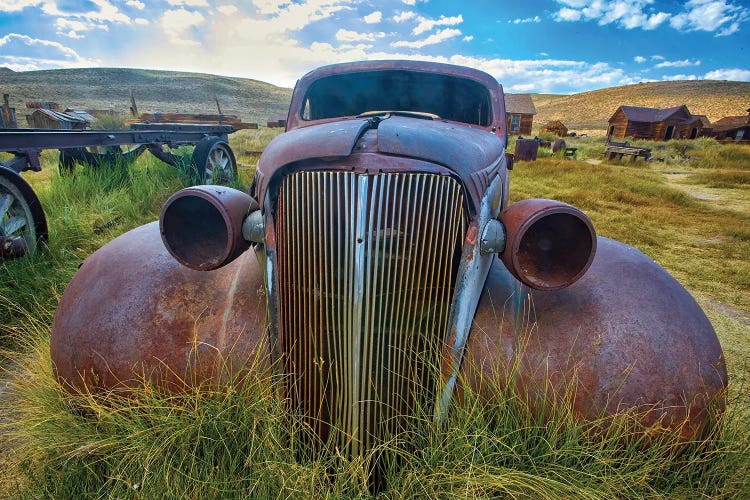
(473, 154)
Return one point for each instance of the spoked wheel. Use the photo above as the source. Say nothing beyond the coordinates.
(214, 162)
(22, 222)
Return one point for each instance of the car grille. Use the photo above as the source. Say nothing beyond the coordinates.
(366, 267)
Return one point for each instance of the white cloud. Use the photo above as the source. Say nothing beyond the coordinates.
(105, 12)
(343, 35)
(720, 16)
(17, 5)
(566, 14)
(437, 37)
(141, 21)
(717, 16)
(404, 16)
(639, 59)
(373, 18)
(674, 78)
(468, 38)
(136, 4)
(426, 24)
(227, 10)
(23, 53)
(188, 3)
(737, 74)
(535, 19)
(678, 64)
(410, 2)
(177, 23)
(75, 26)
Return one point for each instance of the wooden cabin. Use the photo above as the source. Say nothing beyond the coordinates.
(654, 124)
(732, 128)
(519, 113)
(46, 118)
(555, 127)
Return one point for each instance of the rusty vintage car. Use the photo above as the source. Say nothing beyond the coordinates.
(378, 266)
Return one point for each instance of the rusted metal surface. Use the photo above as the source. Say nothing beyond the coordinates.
(626, 336)
(133, 313)
(201, 226)
(549, 244)
(470, 153)
(12, 247)
(373, 271)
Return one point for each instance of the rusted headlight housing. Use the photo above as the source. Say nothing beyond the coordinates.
(545, 244)
(202, 226)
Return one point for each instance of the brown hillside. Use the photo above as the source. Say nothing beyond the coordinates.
(591, 110)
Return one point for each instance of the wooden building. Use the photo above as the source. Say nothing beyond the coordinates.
(555, 127)
(654, 124)
(276, 121)
(46, 118)
(519, 112)
(732, 128)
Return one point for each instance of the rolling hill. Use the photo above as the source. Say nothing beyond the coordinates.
(154, 91)
(253, 100)
(591, 110)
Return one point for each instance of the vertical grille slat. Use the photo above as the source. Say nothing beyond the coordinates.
(367, 265)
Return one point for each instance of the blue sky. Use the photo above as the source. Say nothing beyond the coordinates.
(557, 46)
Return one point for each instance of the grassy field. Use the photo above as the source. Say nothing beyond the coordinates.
(691, 213)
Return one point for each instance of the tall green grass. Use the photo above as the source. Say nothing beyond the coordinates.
(84, 211)
(241, 441)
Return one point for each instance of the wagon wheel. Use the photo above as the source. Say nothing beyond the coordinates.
(214, 162)
(22, 223)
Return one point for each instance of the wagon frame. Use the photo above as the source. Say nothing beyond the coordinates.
(22, 222)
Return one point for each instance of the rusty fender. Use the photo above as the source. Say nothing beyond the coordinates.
(133, 311)
(626, 336)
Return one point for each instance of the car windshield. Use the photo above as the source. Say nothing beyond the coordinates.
(351, 94)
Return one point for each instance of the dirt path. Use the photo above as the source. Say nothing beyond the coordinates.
(728, 199)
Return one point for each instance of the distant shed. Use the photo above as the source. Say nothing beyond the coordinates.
(69, 120)
(654, 124)
(555, 127)
(519, 113)
(276, 121)
(733, 128)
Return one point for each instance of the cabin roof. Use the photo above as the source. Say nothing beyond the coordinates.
(71, 116)
(519, 104)
(730, 122)
(651, 115)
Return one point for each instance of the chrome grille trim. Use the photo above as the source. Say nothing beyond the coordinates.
(366, 270)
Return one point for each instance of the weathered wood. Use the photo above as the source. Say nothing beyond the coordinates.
(201, 118)
(526, 149)
(654, 124)
(615, 149)
(555, 127)
(8, 115)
